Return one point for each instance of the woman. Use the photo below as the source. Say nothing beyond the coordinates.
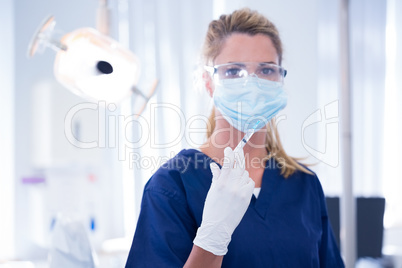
(196, 214)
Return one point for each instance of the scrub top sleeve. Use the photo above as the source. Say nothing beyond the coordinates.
(330, 256)
(165, 232)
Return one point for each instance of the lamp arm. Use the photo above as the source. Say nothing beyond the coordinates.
(135, 90)
(103, 17)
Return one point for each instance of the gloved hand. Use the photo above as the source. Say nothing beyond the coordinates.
(226, 203)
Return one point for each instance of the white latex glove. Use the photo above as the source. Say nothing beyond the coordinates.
(226, 203)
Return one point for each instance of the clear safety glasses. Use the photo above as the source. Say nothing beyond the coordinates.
(233, 70)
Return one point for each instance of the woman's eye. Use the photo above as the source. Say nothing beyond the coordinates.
(267, 71)
(231, 72)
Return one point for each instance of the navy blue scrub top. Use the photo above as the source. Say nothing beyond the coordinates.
(286, 226)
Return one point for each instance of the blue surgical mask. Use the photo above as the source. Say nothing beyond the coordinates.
(244, 101)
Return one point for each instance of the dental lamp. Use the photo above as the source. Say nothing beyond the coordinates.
(91, 64)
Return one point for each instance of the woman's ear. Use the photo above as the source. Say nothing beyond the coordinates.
(209, 84)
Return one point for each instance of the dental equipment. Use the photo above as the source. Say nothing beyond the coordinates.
(91, 64)
(247, 137)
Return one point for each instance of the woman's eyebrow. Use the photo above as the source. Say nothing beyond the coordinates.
(237, 63)
(269, 62)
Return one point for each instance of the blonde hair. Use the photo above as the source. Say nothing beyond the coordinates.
(252, 23)
(240, 21)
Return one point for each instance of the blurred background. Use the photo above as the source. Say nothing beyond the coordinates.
(63, 156)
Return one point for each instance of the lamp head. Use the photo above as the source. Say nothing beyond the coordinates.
(89, 63)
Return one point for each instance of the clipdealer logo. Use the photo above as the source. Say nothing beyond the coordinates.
(328, 120)
(115, 131)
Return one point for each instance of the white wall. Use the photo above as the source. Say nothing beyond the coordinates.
(7, 129)
(392, 146)
(41, 146)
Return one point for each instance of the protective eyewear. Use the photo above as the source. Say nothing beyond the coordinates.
(233, 70)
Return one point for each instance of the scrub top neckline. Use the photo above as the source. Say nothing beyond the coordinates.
(257, 191)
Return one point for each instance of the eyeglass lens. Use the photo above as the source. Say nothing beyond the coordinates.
(262, 70)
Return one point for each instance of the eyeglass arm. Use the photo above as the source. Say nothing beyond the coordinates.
(210, 69)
